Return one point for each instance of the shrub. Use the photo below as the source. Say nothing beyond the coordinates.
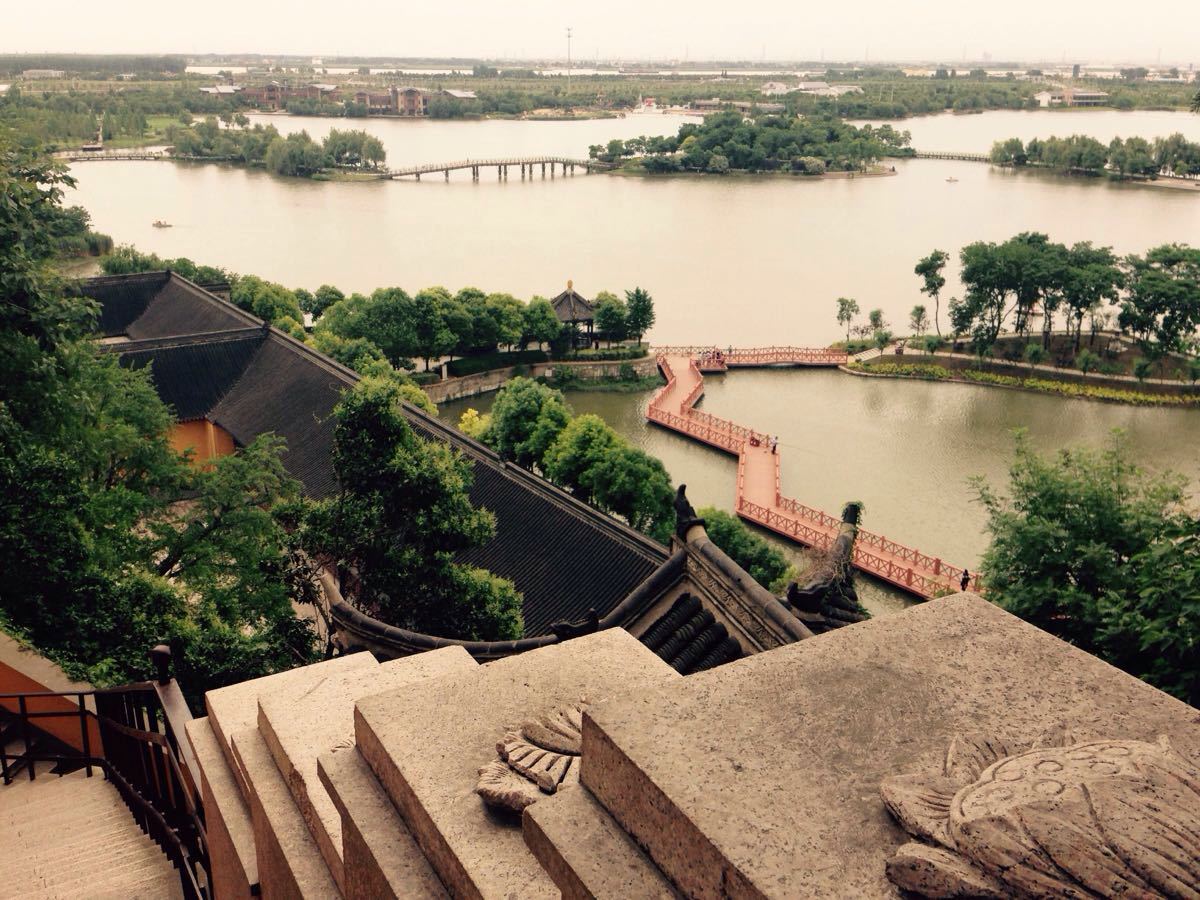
(485, 362)
(608, 354)
(1087, 361)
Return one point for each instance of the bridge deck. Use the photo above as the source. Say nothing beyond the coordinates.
(758, 495)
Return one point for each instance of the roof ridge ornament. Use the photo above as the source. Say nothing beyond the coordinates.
(539, 757)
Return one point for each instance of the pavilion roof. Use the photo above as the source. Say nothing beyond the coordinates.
(570, 306)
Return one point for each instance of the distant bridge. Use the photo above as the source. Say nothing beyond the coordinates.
(966, 157)
(113, 155)
(526, 164)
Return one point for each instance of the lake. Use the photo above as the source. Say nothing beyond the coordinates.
(733, 261)
(740, 260)
(906, 449)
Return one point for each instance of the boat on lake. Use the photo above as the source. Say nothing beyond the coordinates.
(159, 223)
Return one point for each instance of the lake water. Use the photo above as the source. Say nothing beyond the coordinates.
(907, 449)
(741, 261)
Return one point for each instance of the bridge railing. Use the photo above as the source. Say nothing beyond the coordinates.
(731, 356)
(422, 168)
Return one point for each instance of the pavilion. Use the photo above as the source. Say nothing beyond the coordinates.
(574, 309)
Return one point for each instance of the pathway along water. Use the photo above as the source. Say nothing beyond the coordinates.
(907, 449)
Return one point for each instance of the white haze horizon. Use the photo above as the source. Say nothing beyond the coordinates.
(771, 31)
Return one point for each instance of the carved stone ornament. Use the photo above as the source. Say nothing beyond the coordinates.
(539, 757)
(1059, 819)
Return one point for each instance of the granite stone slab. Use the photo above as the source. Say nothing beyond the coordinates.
(426, 744)
(226, 816)
(382, 859)
(234, 708)
(289, 863)
(586, 853)
(762, 778)
(299, 729)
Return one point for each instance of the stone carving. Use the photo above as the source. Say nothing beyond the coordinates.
(826, 597)
(539, 757)
(1061, 818)
(685, 513)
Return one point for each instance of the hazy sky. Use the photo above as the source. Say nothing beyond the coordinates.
(947, 30)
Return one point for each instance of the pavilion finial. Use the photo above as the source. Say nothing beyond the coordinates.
(570, 284)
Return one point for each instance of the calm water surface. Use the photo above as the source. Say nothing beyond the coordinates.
(907, 449)
(739, 261)
(734, 261)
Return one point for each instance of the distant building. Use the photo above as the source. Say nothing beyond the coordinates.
(43, 73)
(1070, 97)
(459, 95)
(775, 89)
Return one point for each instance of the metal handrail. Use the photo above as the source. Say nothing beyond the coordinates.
(151, 767)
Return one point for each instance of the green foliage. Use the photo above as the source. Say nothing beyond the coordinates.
(472, 424)
(610, 317)
(401, 513)
(354, 148)
(847, 309)
(265, 299)
(610, 354)
(526, 419)
(1092, 549)
(1141, 368)
(127, 260)
(539, 322)
(765, 564)
(918, 319)
(1125, 156)
(639, 313)
(1087, 361)
(1035, 354)
(497, 360)
(103, 560)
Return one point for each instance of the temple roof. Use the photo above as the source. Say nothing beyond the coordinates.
(565, 557)
(570, 306)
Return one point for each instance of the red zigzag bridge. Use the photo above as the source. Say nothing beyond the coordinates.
(759, 498)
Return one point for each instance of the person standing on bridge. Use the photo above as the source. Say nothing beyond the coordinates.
(966, 580)
(774, 443)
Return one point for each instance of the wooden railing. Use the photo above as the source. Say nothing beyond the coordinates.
(903, 566)
(758, 356)
(429, 168)
(143, 751)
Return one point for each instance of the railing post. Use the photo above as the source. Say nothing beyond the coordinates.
(160, 655)
(84, 736)
(25, 735)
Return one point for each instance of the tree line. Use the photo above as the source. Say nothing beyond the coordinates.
(726, 141)
(296, 154)
(1015, 283)
(1173, 155)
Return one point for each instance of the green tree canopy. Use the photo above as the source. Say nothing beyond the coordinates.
(765, 564)
(401, 513)
(527, 418)
(1091, 548)
(639, 315)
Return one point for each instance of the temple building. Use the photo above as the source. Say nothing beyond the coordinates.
(229, 377)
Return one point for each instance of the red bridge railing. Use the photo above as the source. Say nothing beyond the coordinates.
(903, 566)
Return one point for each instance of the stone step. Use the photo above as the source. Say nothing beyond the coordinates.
(125, 867)
(289, 863)
(762, 778)
(58, 809)
(162, 886)
(102, 837)
(382, 860)
(226, 816)
(426, 744)
(235, 708)
(587, 854)
(44, 787)
(299, 729)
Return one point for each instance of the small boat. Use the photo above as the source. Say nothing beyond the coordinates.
(952, 179)
(159, 223)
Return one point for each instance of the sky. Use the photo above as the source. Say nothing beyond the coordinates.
(880, 30)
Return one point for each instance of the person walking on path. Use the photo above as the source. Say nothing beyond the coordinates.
(774, 444)
(966, 579)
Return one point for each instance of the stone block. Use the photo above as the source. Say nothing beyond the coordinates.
(382, 860)
(234, 708)
(289, 863)
(301, 727)
(426, 744)
(586, 853)
(762, 778)
(226, 817)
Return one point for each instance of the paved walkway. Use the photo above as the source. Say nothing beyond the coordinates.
(759, 497)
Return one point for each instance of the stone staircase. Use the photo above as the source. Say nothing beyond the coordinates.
(759, 778)
(73, 836)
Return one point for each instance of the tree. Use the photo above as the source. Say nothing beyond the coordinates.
(1162, 299)
(639, 317)
(297, 154)
(265, 299)
(918, 320)
(432, 336)
(881, 339)
(1141, 368)
(401, 514)
(527, 418)
(577, 452)
(847, 309)
(539, 322)
(102, 559)
(1087, 361)
(1092, 549)
(635, 486)
(507, 315)
(324, 297)
(764, 563)
(1035, 354)
(875, 320)
(610, 317)
(930, 269)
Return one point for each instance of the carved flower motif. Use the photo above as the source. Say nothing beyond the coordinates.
(538, 757)
(1058, 819)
